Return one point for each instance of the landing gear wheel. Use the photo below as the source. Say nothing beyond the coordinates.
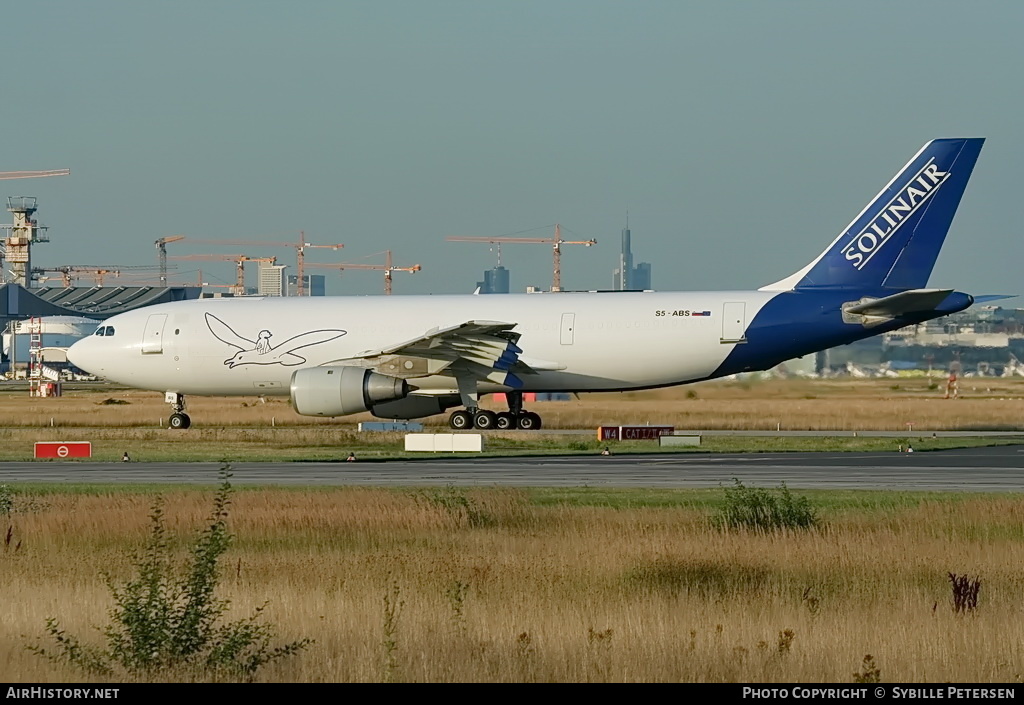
(460, 420)
(485, 420)
(506, 421)
(179, 421)
(529, 421)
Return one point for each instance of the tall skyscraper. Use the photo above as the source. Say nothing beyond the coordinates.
(627, 277)
(625, 261)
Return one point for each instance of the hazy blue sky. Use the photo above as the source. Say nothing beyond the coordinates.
(741, 136)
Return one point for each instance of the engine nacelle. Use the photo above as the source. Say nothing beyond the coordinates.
(341, 390)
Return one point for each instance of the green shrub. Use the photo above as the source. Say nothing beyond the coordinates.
(165, 619)
(765, 509)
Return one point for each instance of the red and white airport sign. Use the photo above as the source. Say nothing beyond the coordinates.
(63, 449)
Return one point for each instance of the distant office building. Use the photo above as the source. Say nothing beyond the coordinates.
(272, 280)
(315, 285)
(641, 276)
(496, 281)
(627, 277)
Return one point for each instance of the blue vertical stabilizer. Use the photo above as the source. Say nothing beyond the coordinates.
(894, 242)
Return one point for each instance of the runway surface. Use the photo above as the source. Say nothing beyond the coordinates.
(993, 469)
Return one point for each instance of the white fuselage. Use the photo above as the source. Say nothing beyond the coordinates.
(574, 341)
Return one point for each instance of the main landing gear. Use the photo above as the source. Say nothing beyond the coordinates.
(179, 419)
(485, 420)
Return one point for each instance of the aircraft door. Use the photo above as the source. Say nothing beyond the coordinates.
(153, 337)
(568, 325)
(734, 322)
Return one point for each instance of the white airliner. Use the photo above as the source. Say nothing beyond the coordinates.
(414, 356)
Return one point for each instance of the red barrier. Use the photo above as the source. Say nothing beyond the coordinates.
(65, 449)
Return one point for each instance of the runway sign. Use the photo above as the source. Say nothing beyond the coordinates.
(65, 449)
(633, 433)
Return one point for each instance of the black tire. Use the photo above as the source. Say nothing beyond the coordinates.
(461, 420)
(506, 421)
(179, 421)
(485, 420)
(529, 421)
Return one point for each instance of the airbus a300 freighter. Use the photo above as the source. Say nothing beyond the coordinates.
(402, 357)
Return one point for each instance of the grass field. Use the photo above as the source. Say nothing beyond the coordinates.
(554, 585)
(116, 420)
(570, 584)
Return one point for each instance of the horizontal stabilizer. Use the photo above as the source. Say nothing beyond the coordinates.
(907, 302)
(985, 298)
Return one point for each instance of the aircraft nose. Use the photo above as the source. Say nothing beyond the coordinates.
(82, 355)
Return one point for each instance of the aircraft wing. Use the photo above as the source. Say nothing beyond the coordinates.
(913, 301)
(480, 349)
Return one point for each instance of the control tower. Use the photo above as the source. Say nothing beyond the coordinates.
(17, 241)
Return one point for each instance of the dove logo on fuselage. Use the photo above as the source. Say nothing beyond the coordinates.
(905, 203)
(261, 351)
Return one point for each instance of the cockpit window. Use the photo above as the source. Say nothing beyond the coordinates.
(110, 331)
(104, 330)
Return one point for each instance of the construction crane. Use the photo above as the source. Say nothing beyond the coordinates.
(239, 261)
(33, 174)
(387, 267)
(300, 252)
(98, 272)
(161, 248)
(556, 243)
(146, 279)
(195, 279)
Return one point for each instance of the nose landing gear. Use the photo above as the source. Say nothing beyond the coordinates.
(179, 419)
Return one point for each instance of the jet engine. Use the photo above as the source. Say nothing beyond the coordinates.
(341, 390)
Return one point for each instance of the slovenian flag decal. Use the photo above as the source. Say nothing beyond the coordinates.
(700, 313)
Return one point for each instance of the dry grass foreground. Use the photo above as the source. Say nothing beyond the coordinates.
(793, 404)
(541, 591)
